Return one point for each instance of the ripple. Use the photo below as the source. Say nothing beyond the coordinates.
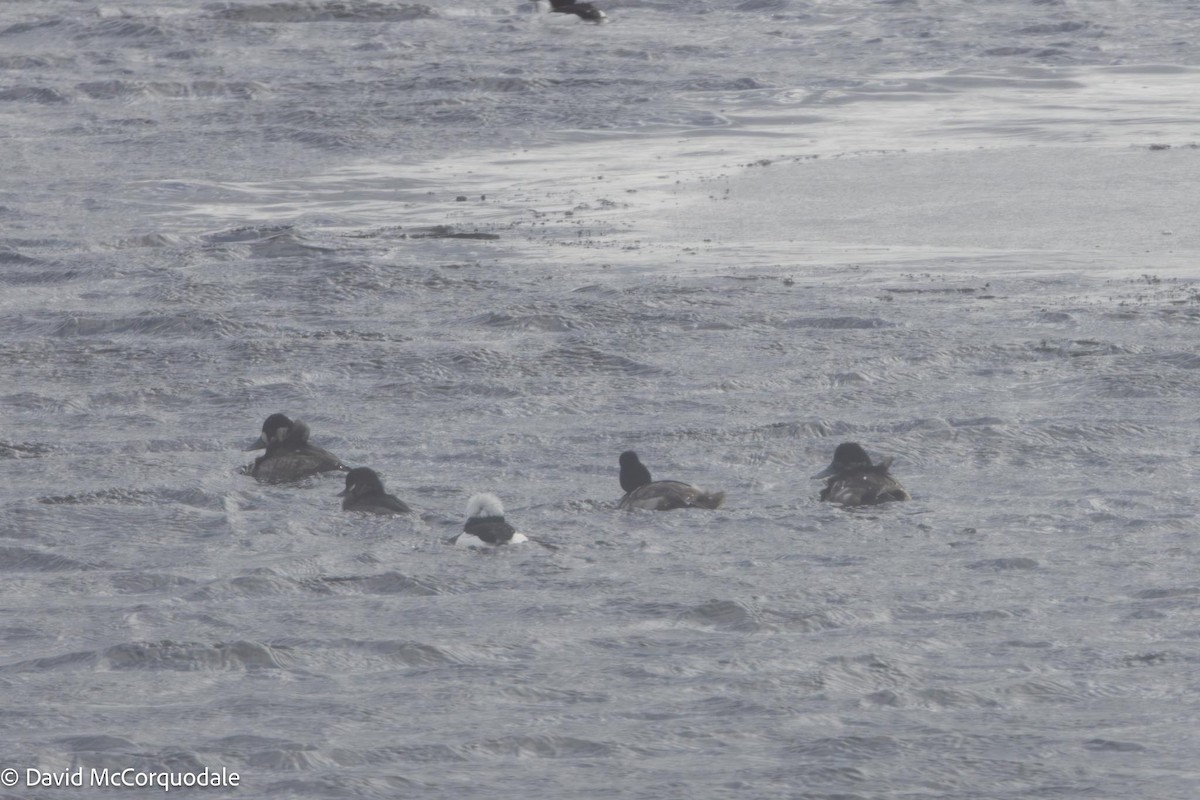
(545, 746)
(316, 11)
(192, 656)
(390, 583)
(1003, 564)
(730, 615)
(839, 323)
(21, 559)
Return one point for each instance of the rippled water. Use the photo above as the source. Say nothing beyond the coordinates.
(481, 249)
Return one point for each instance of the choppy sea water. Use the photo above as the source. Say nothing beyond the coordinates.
(727, 235)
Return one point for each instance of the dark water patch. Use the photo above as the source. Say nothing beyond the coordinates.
(454, 390)
(22, 559)
(866, 671)
(729, 615)
(446, 232)
(1056, 28)
(270, 753)
(1046, 691)
(83, 659)
(265, 585)
(581, 359)
(333, 11)
(839, 323)
(194, 656)
(1168, 593)
(1176, 359)
(120, 496)
(202, 89)
(96, 743)
(947, 290)
(189, 291)
(492, 362)
(550, 322)
(96, 324)
(972, 617)
(551, 696)
(410, 654)
(249, 235)
(814, 621)
(1154, 659)
(144, 582)
(855, 747)
(305, 758)
(1078, 348)
(1036, 645)
(24, 449)
(287, 244)
(390, 583)
(805, 429)
(14, 634)
(122, 27)
(934, 699)
(543, 746)
(1111, 746)
(33, 94)
(1167, 600)
(35, 25)
(1004, 564)
(154, 240)
(10, 256)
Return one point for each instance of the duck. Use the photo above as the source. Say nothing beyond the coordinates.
(585, 11)
(642, 491)
(364, 492)
(852, 480)
(486, 526)
(289, 456)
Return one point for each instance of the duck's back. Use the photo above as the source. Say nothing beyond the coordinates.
(865, 488)
(669, 495)
(491, 530)
(285, 464)
(376, 504)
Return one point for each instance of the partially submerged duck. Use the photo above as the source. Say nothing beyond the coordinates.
(585, 11)
(364, 492)
(486, 526)
(289, 456)
(854, 481)
(641, 491)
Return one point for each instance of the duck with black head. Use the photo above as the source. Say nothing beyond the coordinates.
(642, 491)
(486, 526)
(852, 480)
(290, 456)
(585, 11)
(364, 492)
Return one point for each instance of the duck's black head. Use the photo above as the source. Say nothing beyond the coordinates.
(633, 472)
(275, 429)
(848, 457)
(362, 481)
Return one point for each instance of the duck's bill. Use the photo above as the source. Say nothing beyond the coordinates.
(258, 444)
(825, 473)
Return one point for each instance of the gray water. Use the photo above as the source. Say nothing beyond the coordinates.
(727, 235)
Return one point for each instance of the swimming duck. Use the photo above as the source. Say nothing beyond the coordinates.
(641, 491)
(854, 481)
(364, 492)
(289, 456)
(585, 11)
(486, 526)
